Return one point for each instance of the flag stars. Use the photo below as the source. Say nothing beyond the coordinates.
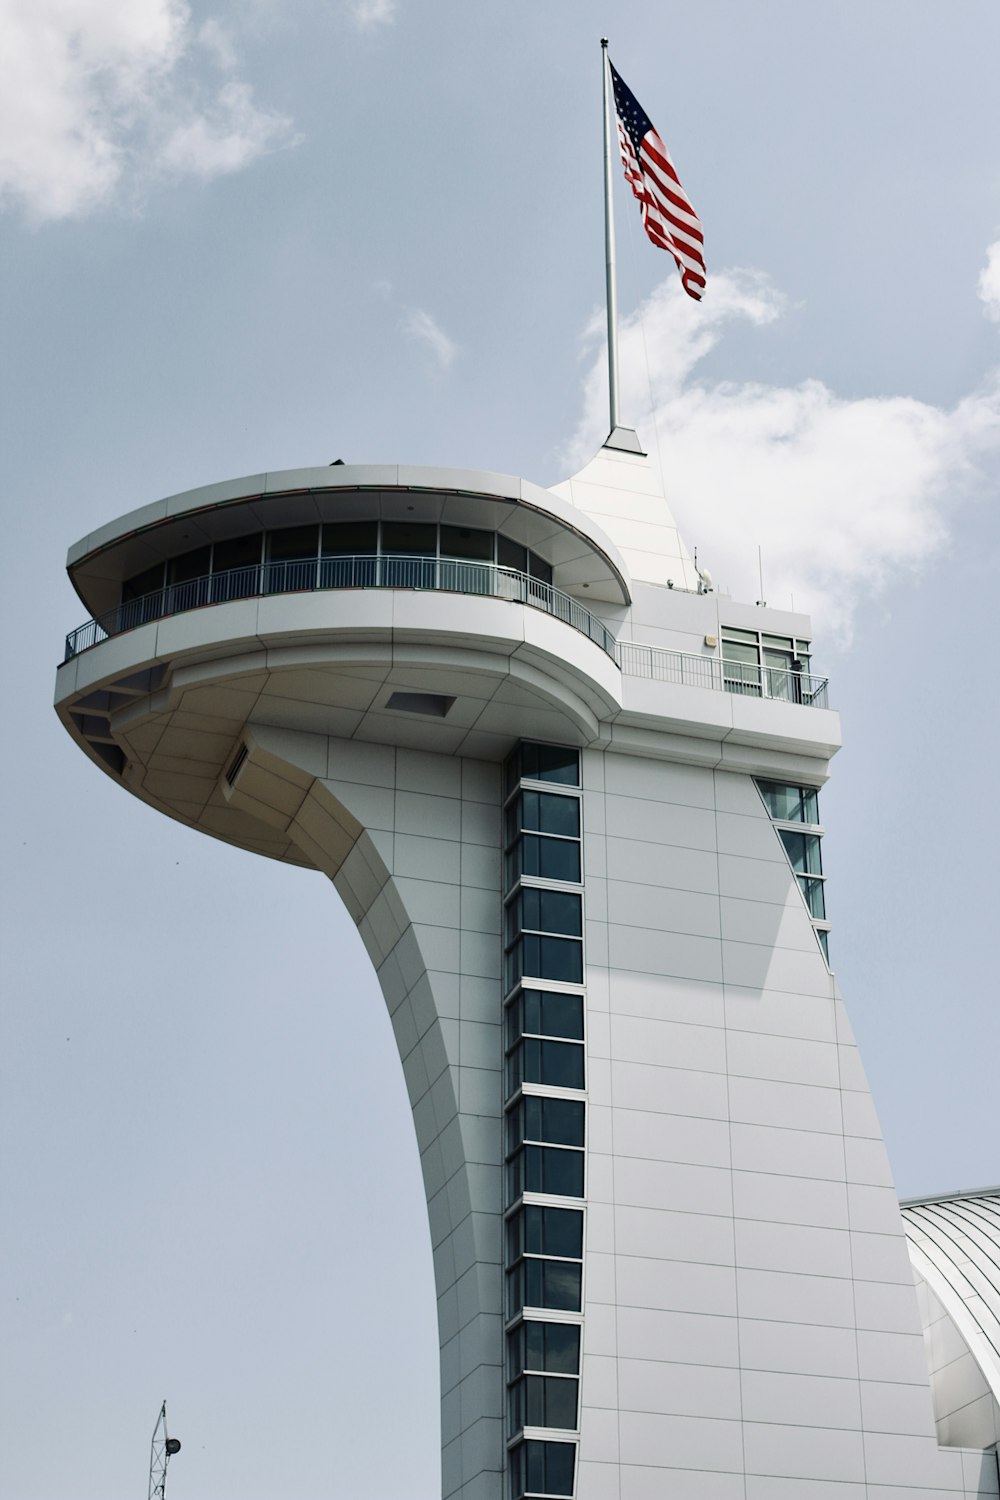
(667, 216)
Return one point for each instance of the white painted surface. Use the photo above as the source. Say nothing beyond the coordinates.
(750, 1324)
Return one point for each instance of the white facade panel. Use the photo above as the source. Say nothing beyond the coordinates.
(749, 1325)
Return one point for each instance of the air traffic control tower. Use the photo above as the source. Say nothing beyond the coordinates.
(571, 797)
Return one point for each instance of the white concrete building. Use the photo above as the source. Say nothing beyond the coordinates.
(569, 795)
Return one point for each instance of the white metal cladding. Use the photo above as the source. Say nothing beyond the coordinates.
(954, 1244)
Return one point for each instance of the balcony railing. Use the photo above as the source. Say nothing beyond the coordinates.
(382, 571)
(385, 571)
(745, 678)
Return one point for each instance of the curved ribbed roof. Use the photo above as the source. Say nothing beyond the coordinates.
(954, 1244)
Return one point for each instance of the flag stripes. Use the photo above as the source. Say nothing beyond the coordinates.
(667, 215)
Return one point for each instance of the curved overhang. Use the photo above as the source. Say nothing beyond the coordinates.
(163, 707)
(954, 1245)
(585, 561)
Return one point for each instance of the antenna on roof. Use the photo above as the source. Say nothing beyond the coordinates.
(161, 1452)
(761, 602)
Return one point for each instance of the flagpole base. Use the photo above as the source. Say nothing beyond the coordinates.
(625, 440)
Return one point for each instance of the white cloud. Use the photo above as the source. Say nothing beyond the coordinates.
(99, 97)
(989, 282)
(369, 13)
(228, 136)
(421, 326)
(218, 42)
(841, 495)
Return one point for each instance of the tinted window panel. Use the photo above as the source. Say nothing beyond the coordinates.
(803, 851)
(345, 538)
(782, 802)
(557, 1459)
(462, 541)
(815, 896)
(143, 583)
(545, 1169)
(514, 1075)
(546, 812)
(544, 1283)
(548, 859)
(538, 1230)
(733, 651)
(512, 554)
(512, 765)
(543, 1401)
(514, 1017)
(560, 911)
(550, 1347)
(294, 544)
(238, 552)
(549, 958)
(550, 911)
(550, 762)
(191, 565)
(553, 1283)
(548, 1013)
(562, 1065)
(531, 1119)
(409, 537)
(560, 1121)
(542, 1469)
(790, 804)
(512, 966)
(557, 1064)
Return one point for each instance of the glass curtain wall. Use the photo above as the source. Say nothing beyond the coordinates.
(545, 1118)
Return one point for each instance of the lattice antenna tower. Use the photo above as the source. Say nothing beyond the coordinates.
(162, 1450)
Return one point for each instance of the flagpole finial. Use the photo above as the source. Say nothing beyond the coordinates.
(604, 42)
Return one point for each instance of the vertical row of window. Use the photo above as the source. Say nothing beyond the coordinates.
(545, 1120)
(794, 811)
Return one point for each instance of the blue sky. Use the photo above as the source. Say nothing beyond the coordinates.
(251, 237)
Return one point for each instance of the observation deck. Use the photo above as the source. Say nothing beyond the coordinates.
(450, 611)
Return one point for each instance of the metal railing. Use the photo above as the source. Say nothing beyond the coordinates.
(370, 571)
(388, 571)
(745, 678)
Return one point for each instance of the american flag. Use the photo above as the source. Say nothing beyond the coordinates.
(667, 215)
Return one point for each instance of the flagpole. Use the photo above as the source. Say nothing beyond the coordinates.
(609, 249)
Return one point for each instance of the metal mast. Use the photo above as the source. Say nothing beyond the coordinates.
(609, 251)
(162, 1451)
